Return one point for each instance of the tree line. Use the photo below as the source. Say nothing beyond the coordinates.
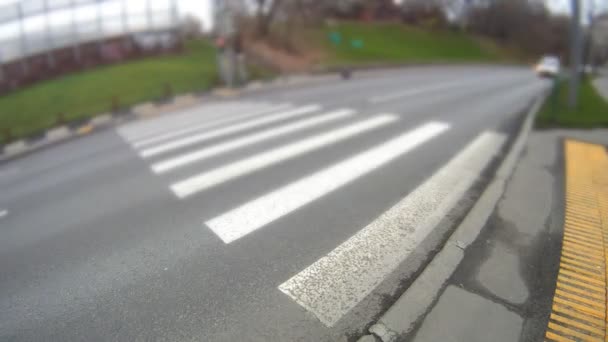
(525, 25)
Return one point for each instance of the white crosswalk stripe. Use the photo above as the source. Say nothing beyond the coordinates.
(249, 140)
(334, 284)
(208, 125)
(141, 130)
(257, 162)
(254, 215)
(198, 138)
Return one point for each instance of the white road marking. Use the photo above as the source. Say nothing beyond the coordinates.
(411, 92)
(208, 125)
(334, 284)
(143, 129)
(197, 138)
(435, 87)
(254, 215)
(257, 162)
(3, 213)
(249, 140)
(190, 117)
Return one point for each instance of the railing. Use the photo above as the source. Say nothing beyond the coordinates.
(44, 25)
(35, 30)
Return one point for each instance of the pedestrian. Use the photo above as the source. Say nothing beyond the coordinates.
(241, 65)
(223, 61)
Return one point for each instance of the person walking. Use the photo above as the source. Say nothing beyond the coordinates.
(241, 65)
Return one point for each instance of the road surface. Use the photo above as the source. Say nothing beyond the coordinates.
(294, 214)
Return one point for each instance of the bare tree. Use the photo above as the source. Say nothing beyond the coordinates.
(596, 15)
(266, 11)
(425, 13)
(599, 40)
(523, 24)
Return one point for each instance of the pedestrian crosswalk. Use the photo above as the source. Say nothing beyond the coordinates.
(278, 203)
(250, 139)
(283, 132)
(207, 125)
(213, 114)
(334, 284)
(259, 161)
(227, 130)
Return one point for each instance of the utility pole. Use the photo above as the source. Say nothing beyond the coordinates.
(575, 54)
(225, 30)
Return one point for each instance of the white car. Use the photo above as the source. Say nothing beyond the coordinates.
(548, 66)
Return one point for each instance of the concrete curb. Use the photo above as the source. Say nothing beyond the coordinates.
(402, 316)
(146, 110)
(59, 134)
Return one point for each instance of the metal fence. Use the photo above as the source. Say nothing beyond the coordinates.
(48, 28)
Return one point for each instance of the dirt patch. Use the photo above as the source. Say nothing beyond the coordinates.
(281, 60)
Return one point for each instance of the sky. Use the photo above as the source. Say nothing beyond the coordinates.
(563, 6)
(84, 19)
(198, 8)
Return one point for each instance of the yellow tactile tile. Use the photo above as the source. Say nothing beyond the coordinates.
(579, 305)
(578, 291)
(590, 329)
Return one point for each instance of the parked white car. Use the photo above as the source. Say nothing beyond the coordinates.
(549, 66)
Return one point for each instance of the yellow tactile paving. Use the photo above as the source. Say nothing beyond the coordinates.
(577, 290)
(578, 256)
(579, 305)
(580, 237)
(583, 286)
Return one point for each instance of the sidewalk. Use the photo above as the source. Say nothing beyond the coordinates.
(503, 289)
(529, 262)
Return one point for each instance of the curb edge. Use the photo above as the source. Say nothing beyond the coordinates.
(93, 124)
(415, 302)
(141, 111)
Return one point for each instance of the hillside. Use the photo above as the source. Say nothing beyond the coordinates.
(349, 43)
(396, 43)
(77, 96)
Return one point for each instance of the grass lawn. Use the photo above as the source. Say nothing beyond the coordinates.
(81, 95)
(397, 43)
(592, 109)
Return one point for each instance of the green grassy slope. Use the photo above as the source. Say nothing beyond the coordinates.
(392, 42)
(35, 108)
(82, 95)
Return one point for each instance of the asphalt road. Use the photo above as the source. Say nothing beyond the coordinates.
(293, 214)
